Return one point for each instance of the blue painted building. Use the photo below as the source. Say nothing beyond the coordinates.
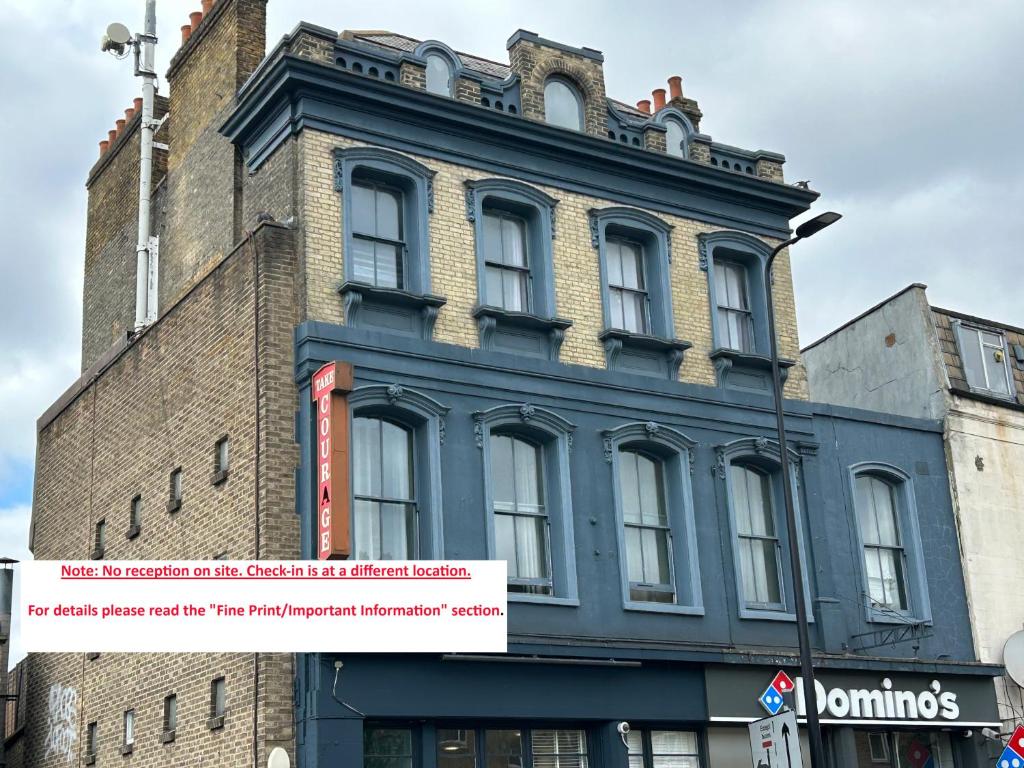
(552, 303)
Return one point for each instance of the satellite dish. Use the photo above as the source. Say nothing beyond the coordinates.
(1013, 657)
(278, 759)
(118, 34)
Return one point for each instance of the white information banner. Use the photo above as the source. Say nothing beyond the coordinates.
(388, 606)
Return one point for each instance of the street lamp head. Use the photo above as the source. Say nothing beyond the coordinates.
(818, 223)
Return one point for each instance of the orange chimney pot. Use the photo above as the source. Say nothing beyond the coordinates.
(103, 146)
(207, 5)
(194, 18)
(111, 137)
(186, 33)
(644, 106)
(119, 125)
(675, 86)
(137, 103)
(129, 114)
(659, 98)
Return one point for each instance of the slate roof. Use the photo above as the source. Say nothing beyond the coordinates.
(397, 42)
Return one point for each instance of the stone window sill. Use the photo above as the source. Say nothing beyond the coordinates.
(747, 370)
(173, 505)
(625, 347)
(423, 306)
(90, 760)
(167, 737)
(133, 532)
(493, 321)
(97, 554)
(127, 749)
(219, 477)
(213, 723)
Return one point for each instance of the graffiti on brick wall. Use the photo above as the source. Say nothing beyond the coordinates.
(62, 716)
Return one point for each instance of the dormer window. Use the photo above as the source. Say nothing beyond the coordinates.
(985, 360)
(675, 138)
(439, 75)
(562, 104)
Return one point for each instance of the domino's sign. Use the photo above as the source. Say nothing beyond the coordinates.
(1013, 753)
(885, 702)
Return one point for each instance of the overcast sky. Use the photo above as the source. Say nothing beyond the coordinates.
(905, 116)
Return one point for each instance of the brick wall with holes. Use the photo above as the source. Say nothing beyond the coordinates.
(162, 404)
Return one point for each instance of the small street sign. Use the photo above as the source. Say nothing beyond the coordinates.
(775, 741)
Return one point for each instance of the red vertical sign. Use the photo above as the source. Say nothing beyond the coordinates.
(331, 385)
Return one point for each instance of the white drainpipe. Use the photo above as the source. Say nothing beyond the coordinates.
(144, 313)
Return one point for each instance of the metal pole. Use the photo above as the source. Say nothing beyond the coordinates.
(796, 564)
(147, 71)
(6, 592)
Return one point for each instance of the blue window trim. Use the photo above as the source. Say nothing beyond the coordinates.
(554, 434)
(426, 418)
(750, 252)
(455, 67)
(417, 184)
(675, 451)
(671, 114)
(656, 237)
(764, 453)
(538, 209)
(910, 535)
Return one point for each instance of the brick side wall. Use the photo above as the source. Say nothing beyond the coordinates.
(576, 266)
(189, 379)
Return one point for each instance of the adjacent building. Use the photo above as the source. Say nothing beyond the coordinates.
(907, 357)
(553, 305)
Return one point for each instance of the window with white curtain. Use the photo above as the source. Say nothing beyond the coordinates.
(647, 531)
(885, 560)
(129, 727)
(758, 539)
(506, 262)
(732, 294)
(378, 241)
(562, 104)
(439, 75)
(628, 301)
(521, 534)
(663, 749)
(385, 505)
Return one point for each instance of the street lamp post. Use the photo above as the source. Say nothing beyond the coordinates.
(805, 230)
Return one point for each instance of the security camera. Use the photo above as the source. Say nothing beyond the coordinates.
(988, 733)
(967, 734)
(622, 728)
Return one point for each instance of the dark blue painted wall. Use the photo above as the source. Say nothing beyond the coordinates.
(831, 440)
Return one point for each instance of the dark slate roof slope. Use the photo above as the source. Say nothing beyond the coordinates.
(396, 42)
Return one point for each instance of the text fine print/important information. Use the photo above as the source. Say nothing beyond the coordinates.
(282, 606)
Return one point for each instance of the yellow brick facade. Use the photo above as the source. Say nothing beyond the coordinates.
(576, 266)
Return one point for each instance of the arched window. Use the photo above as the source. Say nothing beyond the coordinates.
(562, 104)
(885, 560)
(647, 531)
(439, 75)
(758, 539)
(675, 138)
(385, 505)
(520, 517)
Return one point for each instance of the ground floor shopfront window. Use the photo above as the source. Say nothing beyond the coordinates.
(903, 749)
(521, 746)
